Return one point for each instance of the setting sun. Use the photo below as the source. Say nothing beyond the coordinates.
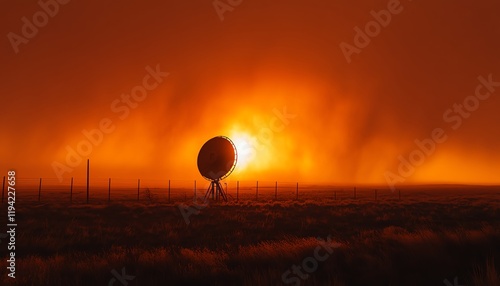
(245, 150)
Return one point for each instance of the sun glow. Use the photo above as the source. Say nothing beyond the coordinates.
(244, 149)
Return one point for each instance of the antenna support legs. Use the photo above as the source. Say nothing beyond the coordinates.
(215, 191)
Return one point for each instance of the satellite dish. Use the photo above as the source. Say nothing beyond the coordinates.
(216, 160)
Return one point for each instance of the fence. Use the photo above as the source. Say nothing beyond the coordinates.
(107, 189)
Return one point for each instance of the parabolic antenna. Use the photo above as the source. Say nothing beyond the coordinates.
(216, 161)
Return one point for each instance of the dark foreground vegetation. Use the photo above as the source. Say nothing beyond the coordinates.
(391, 242)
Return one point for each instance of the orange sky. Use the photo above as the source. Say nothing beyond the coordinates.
(347, 122)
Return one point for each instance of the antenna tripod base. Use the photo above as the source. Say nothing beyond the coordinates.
(215, 191)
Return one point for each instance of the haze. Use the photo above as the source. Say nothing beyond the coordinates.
(348, 122)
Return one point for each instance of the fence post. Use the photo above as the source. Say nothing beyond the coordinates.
(276, 191)
(40, 190)
(237, 189)
(354, 192)
(3, 188)
(138, 188)
(297, 192)
(257, 191)
(169, 191)
(109, 190)
(399, 194)
(71, 191)
(88, 174)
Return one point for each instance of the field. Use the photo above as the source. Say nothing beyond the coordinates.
(433, 235)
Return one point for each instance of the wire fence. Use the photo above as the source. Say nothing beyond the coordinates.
(114, 190)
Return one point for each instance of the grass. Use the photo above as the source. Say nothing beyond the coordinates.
(416, 241)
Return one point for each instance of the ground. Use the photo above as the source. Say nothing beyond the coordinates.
(429, 237)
